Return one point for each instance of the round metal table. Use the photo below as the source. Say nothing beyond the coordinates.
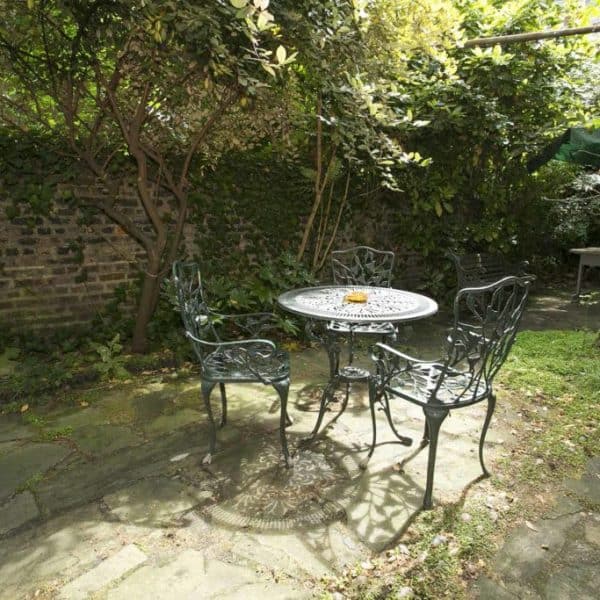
(382, 305)
(330, 303)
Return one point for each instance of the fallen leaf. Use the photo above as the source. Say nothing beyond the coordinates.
(24, 408)
(84, 404)
(531, 526)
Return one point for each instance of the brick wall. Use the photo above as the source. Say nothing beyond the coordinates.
(57, 270)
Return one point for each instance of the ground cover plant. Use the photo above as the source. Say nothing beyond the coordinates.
(551, 380)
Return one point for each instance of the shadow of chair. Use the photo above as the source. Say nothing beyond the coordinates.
(486, 320)
(251, 360)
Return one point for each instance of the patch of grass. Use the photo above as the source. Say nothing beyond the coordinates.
(553, 379)
(441, 552)
(51, 435)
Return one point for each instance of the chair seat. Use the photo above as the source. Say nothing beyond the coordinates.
(417, 384)
(347, 327)
(247, 363)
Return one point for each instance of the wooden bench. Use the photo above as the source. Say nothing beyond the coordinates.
(476, 270)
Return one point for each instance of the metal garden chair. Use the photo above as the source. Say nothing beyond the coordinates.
(254, 360)
(361, 266)
(476, 349)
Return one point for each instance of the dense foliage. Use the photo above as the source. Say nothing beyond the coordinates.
(302, 125)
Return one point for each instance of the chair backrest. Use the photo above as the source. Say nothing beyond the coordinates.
(478, 269)
(195, 314)
(362, 265)
(486, 320)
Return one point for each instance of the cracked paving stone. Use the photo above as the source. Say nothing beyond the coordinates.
(33, 460)
(17, 511)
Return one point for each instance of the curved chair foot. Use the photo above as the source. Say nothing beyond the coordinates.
(324, 401)
(486, 424)
(435, 417)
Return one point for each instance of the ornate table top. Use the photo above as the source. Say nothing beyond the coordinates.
(382, 305)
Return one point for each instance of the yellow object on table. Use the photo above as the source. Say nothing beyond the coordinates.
(356, 297)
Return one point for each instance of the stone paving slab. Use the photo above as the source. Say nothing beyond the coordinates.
(108, 571)
(191, 575)
(155, 501)
(264, 591)
(556, 557)
(99, 440)
(20, 465)
(17, 511)
(85, 480)
(13, 430)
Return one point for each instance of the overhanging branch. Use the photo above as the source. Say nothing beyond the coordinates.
(531, 36)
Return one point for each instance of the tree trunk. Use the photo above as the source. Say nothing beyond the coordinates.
(146, 306)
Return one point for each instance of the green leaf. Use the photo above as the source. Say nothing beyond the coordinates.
(438, 208)
(281, 55)
(269, 69)
(238, 3)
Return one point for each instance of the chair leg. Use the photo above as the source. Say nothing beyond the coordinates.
(372, 401)
(207, 387)
(333, 354)
(486, 424)
(346, 398)
(425, 439)
(223, 405)
(324, 401)
(435, 417)
(282, 387)
(385, 404)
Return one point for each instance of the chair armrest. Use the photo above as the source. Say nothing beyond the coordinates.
(397, 355)
(259, 344)
(390, 362)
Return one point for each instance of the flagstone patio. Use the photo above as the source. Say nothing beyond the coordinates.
(111, 500)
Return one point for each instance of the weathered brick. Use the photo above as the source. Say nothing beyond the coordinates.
(38, 282)
(111, 277)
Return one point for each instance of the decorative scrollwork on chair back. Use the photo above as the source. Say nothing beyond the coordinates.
(195, 314)
(486, 320)
(362, 265)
